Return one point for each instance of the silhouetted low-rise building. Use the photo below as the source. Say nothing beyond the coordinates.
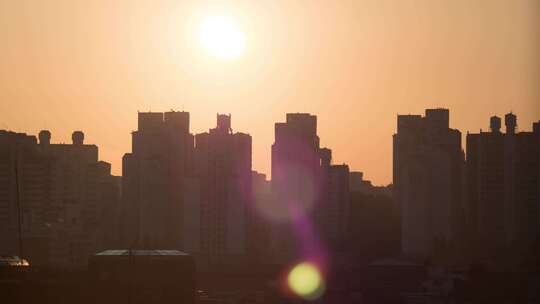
(142, 276)
(373, 226)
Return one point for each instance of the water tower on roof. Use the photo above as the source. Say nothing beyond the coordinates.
(78, 138)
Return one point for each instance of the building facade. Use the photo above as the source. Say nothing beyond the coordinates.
(503, 193)
(295, 184)
(157, 175)
(223, 168)
(427, 182)
(310, 195)
(58, 201)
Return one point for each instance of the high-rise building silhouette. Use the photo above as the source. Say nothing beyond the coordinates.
(295, 178)
(503, 188)
(309, 193)
(223, 167)
(63, 199)
(332, 206)
(296, 161)
(427, 182)
(156, 181)
(15, 149)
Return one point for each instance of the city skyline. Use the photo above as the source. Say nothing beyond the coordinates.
(194, 200)
(118, 170)
(70, 65)
(269, 151)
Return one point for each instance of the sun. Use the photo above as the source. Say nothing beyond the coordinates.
(221, 37)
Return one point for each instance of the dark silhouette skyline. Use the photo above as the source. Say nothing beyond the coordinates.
(198, 196)
(172, 176)
(365, 151)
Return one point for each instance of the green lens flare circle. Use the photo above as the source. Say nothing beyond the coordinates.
(306, 281)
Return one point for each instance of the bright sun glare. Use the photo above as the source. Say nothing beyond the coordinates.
(221, 37)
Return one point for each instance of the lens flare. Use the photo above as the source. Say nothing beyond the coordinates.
(305, 280)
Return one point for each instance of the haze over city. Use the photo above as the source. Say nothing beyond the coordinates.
(79, 65)
(273, 151)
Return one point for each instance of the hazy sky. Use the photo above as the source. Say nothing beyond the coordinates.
(90, 65)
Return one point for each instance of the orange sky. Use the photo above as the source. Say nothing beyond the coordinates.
(90, 65)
